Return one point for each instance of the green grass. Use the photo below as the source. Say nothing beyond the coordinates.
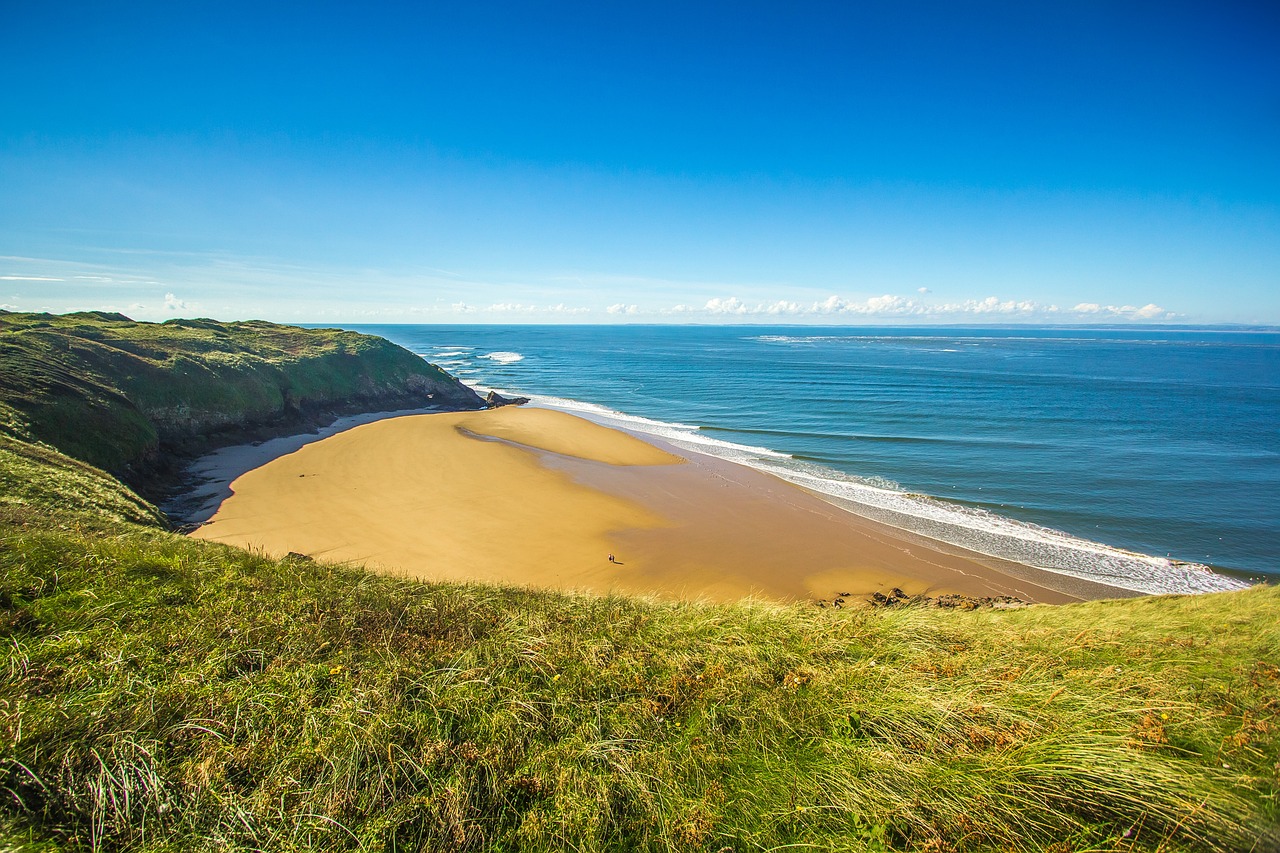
(166, 694)
(163, 694)
(160, 693)
(118, 393)
(42, 488)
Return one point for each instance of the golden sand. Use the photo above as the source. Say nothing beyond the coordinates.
(539, 497)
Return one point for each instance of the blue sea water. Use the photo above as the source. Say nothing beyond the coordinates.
(1119, 455)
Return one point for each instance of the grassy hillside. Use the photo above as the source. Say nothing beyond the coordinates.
(121, 394)
(159, 693)
(42, 488)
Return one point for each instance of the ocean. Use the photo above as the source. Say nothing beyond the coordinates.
(1134, 457)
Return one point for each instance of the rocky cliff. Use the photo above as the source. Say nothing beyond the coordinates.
(136, 398)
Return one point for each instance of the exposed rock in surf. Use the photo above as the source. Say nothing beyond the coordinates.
(493, 400)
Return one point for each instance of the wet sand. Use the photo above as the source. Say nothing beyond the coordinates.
(537, 497)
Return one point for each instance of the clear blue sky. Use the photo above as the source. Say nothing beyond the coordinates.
(602, 162)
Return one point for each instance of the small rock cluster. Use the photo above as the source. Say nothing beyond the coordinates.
(494, 400)
(950, 601)
(969, 602)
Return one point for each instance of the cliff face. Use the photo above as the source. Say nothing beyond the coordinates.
(133, 397)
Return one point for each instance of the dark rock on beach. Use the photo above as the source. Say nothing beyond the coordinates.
(950, 601)
(968, 602)
(493, 400)
(896, 597)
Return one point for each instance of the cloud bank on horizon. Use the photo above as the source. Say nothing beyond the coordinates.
(583, 162)
(405, 301)
(835, 309)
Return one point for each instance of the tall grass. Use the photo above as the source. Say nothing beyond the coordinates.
(160, 694)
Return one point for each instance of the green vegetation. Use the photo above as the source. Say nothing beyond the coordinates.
(44, 488)
(160, 693)
(121, 395)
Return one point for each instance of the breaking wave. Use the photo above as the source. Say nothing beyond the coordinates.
(504, 357)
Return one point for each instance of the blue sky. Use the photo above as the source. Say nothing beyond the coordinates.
(647, 162)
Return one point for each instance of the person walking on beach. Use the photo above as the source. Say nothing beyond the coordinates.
(611, 559)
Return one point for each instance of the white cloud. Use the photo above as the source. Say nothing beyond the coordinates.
(782, 307)
(620, 308)
(735, 306)
(732, 305)
(29, 278)
(568, 309)
(992, 305)
(1150, 311)
(5, 306)
(462, 307)
(894, 306)
(523, 308)
(887, 304)
(173, 303)
(922, 290)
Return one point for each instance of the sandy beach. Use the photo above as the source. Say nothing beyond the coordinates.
(529, 496)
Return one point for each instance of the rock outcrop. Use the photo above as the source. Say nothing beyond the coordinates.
(493, 400)
(953, 601)
(896, 597)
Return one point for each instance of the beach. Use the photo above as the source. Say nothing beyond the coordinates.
(542, 498)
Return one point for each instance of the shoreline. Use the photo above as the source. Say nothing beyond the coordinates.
(508, 496)
(1082, 588)
(1001, 540)
(1001, 577)
(207, 479)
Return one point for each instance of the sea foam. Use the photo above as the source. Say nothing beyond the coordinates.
(504, 357)
(972, 528)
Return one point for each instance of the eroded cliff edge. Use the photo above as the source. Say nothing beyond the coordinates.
(140, 399)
